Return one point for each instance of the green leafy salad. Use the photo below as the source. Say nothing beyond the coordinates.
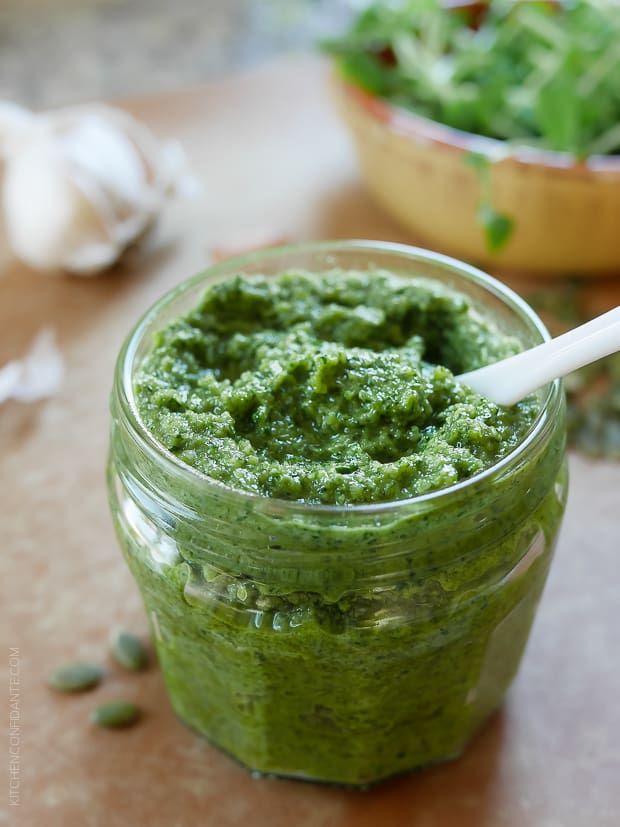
(539, 72)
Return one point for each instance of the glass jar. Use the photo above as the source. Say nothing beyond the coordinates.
(340, 644)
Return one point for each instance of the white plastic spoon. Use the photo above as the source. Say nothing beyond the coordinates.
(512, 379)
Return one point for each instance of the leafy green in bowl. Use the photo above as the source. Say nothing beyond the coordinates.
(491, 130)
(543, 73)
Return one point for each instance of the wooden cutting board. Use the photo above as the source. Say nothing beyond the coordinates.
(275, 163)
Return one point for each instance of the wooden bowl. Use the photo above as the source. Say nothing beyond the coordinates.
(566, 213)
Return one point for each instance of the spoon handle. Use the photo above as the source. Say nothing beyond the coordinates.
(512, 379)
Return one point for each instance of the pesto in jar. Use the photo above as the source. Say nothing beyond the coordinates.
(332, 389)
(326, 603)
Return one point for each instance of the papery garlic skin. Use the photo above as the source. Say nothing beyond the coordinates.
(37, 375)
(81, 184)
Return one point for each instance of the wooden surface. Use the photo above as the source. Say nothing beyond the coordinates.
(275, 162)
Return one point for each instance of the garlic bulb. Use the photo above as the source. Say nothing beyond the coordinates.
(80, 184)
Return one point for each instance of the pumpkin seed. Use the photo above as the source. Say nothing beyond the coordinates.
(129, 650)
(115, 714)
(76, 677)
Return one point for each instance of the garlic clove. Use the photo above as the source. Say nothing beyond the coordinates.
(47, 217)
(82, 183)
(116, 166)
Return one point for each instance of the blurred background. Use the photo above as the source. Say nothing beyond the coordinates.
(252, 165)
(58, 51)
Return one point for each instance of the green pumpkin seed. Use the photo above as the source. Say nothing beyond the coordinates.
(115, 714)
(76, 677)
(128, 650)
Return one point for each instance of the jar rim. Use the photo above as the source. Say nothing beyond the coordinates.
(126, 360)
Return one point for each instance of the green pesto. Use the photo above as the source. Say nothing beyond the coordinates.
(336, 388)
(342, 645)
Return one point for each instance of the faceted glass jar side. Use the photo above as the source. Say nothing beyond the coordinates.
(340, 644)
